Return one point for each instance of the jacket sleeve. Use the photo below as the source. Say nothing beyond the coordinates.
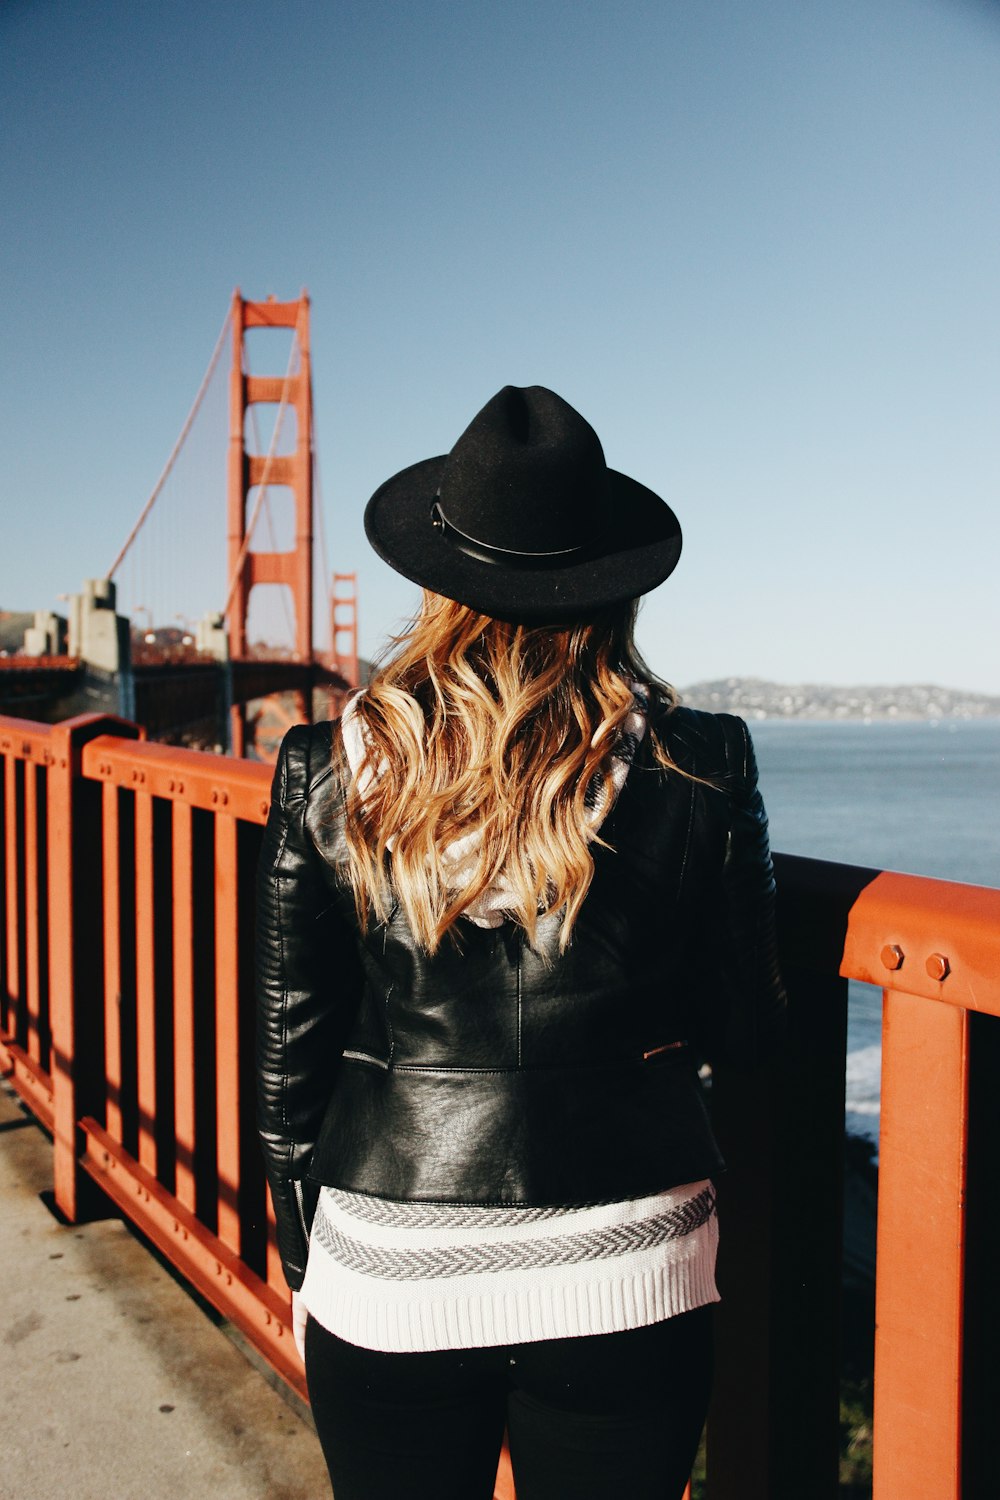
(743, 1016)
(308, 986)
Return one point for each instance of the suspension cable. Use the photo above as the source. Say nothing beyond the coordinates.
(176, 448)
(318, 508)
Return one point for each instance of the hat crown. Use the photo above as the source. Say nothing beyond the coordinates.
(523, 519)
(528, 475)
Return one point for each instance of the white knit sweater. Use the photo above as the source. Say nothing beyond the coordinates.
(408, 1276)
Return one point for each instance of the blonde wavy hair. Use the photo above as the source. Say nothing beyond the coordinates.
(478, 724)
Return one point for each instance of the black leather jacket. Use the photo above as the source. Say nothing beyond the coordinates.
(492, 1073)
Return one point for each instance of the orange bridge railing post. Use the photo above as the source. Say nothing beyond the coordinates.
(75, 958)
(921, 1233)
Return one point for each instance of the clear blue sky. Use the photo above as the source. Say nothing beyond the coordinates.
(756, 244)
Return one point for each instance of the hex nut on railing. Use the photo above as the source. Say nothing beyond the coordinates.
(938, 967)
(892, 956)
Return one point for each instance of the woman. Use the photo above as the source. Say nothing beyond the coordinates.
(482, 896)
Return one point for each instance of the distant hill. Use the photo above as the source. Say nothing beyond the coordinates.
(13, 624)
(753, 698)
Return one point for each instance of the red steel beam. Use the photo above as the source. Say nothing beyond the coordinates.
(145, 980)
(62, 968)
(271, 314)
(182, 869)
(33, 1001)
(111, 856)
(280, 469)
(215, 783)
(271, 567)
(24, 739)
(271, 388)
(32, 1083)
(14, 876)
(39, 664)
(944, 934)
(920, 1254)
(227, 1030)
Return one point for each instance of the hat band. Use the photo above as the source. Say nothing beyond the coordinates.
(502, 556)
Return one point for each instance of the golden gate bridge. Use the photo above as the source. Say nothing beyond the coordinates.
(140, 640)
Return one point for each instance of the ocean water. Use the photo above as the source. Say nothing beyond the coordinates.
(921, 797)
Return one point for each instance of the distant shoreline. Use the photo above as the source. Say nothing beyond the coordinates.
(829, 720)
(756, 699)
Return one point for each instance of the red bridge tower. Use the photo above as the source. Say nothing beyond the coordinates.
(247, 470)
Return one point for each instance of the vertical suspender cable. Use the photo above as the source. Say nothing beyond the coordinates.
(174, 451)
(321, 528)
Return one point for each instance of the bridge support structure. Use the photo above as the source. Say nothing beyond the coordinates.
(249, 567)
(344, 628)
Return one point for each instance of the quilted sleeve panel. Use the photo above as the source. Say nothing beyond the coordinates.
(308, 986)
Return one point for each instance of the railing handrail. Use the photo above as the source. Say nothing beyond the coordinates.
(891, 926)
(214, 783)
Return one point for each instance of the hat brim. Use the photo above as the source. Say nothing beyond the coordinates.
(398, 525)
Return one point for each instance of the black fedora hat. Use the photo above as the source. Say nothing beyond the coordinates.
(523, 519)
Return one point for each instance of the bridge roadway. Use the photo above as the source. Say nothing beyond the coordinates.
(115, 1384)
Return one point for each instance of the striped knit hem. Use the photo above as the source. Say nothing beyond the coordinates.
(636, 1272)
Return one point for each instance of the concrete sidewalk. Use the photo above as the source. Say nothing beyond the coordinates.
(114, 1383)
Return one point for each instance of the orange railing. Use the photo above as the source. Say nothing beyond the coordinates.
(126, 873)
(125, 1020)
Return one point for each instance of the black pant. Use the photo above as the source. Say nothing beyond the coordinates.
(616, 1414)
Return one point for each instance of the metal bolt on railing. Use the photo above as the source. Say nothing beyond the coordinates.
(938, 966)
(892, 956)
